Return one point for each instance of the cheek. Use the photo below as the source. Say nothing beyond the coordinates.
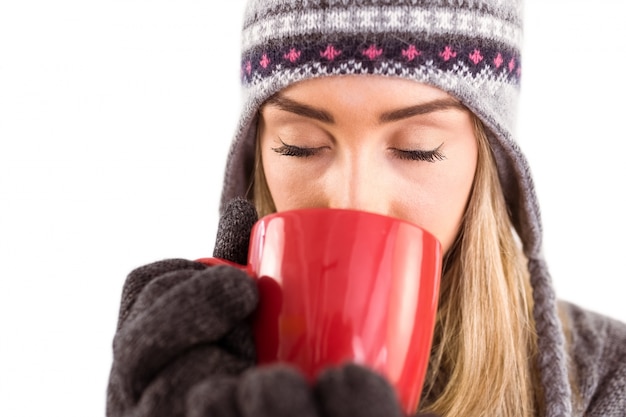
(286, 182)
(450, 208)
(437, 202)
(451, 198)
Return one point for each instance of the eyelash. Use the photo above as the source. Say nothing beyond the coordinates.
(419, 155)
(412, 155)
(298, 152)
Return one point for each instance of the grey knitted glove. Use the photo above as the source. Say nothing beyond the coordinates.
(181, 322)
(281, 391)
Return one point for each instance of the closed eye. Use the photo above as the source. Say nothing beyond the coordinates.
(297, 151)
(420, 155)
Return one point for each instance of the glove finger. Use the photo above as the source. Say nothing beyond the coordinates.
(275, 391)
(214, 397)
(166, 394)
(233, 231)
(140, 277)
(353, 390)
(155, 289)
(240, 341)
(201, 309)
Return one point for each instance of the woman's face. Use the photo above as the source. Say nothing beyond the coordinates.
(383, 145)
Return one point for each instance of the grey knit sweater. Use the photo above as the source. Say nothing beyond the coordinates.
(597, 350)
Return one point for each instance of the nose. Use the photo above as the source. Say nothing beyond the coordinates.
(360, 184)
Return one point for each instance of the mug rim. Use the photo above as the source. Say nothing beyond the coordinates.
(359, 212)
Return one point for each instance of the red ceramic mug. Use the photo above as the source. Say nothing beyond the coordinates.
(339, 285)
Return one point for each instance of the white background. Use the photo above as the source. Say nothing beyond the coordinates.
(115, 118)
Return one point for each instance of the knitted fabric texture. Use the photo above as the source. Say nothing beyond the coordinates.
(468, 48)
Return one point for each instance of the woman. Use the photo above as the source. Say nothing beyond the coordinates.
(405, 108)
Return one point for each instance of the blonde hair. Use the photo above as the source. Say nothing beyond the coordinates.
(262, 197)
(483, 356)
(484, 350)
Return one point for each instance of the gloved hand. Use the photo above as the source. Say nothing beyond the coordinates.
(181, 322)
(281, 391)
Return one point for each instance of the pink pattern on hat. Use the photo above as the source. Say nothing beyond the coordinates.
(447, 53)
(475, 56)
(330, 53)
(372, 52)
(498, 60)
(411, 53)
(292, 55)
(511, 64)
(265, 61)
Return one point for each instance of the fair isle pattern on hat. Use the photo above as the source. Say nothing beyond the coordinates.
(404, 21)
(348, 56)
(468, 48)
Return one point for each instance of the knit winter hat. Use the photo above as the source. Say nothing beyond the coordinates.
(468, 48)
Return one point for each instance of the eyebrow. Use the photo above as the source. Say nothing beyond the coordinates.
(422, 108)
(300, 109)
(305, 110)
